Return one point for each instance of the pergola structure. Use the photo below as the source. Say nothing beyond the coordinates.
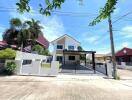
(72, 52)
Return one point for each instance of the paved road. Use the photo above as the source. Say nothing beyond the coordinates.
(63, 88)
(125, 73)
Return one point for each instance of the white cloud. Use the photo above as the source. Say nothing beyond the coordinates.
(2, 29)
(125, 44)
(92, 39)
(53, 26)
(103, 50)
(127, 31)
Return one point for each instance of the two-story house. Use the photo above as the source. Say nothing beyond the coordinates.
(67, 52)
(65, 43)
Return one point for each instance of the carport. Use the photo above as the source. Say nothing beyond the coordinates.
(83, 53)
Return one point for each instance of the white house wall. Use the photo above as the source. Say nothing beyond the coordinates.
(70, 41)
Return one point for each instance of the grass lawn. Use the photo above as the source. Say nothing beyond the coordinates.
(46, 65)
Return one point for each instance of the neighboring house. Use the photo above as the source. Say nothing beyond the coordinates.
(62, 43)
(108, 56)
(100, 58)
(66, 51)
(41, 40)
(124, 55)
(4, 45)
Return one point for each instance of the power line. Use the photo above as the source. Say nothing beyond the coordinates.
(4, 9)
(127, 19)
(63, 13)
(123, 16)
(54, 12)
(123, 31)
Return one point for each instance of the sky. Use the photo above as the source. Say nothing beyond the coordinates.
(73, 19)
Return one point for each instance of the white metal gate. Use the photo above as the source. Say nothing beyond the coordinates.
(36, 69)
(31, 69)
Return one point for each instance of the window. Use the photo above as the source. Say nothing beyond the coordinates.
(130, 59)
(71, 57)
(59, 58)
(26, 62)
(70, 47)
(59, 46)
(121, 59)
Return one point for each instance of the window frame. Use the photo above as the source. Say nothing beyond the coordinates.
(69, 58)
(71, 46)
(60, 45)
(60, 60)
(26, 62)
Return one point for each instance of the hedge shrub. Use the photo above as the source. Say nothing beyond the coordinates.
(10, 68)
(7, 53)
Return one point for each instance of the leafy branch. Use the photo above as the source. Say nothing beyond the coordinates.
(105, 12)
(23, 6)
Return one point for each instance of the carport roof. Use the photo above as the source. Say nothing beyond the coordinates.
(77, 52)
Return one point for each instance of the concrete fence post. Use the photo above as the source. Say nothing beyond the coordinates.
(109, 69)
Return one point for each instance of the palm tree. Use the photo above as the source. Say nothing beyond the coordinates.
(34, 30)
(10, 35)
(15, 23)
(16, 34)
(20, 33)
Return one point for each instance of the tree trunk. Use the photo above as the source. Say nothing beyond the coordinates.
(112, 48)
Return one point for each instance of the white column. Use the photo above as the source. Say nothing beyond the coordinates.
(54, 53)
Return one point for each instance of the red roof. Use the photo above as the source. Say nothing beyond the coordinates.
(43, 41)
(3, 43)
(124, 51)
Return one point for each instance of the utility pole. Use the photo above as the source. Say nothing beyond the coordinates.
(112, 47)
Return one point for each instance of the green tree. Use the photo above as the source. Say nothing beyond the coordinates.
(80, 48)
(40, 50)
(10, 35)
(22, 33)
(16, 33)
(34, 30)
(46, 52)
(37, 48)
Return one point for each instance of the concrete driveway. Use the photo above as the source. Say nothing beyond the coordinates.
(125, 74)
(64, 87)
